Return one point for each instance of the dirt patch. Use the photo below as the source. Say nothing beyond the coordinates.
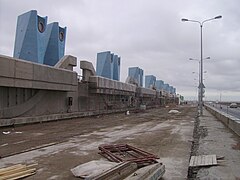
(76, 141)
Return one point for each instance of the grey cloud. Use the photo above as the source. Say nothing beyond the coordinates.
(145, 33)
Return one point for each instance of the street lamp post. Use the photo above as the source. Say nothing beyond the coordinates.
(201, 86)
(191, 59)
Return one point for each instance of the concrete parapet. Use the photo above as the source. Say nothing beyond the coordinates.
(105, 83)
(231, 122)
(54, 117)
(146, 91)
(24, 74)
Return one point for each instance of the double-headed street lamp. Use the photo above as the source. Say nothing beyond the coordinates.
(201, 85)
(191, 59)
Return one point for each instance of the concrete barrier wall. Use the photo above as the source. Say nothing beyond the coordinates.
(105, 83)
(42, 102)
(31, 93)
(18, 73)
(52, 117)
(146, 91)
(231, 122)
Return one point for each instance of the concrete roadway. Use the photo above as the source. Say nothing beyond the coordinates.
(224, 108)
(61, 145)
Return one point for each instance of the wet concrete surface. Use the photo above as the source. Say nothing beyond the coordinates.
(59, 146)
(217, 139)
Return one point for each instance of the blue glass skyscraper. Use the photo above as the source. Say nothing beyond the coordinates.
(104, 64)
(159, 85)
(55, 43)
(174, 91)
(137, 74)
(29, 40)
(38, 42)
(108, 65)
(166, 88)
(116, 67)
(150, 81)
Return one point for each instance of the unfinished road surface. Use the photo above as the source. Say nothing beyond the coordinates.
(61, 145)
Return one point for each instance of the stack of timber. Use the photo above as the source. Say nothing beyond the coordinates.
(17, 171)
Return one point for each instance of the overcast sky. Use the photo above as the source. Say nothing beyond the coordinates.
(148, 34)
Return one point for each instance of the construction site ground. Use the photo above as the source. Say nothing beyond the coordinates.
(61, 145)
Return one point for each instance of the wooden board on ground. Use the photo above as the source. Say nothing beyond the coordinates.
(17, 171)
(203, 160)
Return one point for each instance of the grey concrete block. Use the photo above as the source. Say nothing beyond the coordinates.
(19, 73)
(23, 70)
(7, 66)
(67, 62)
(7, 82)
(22, 83)
(105, 83)
(52, 75)
(3, 98)
(146, 91)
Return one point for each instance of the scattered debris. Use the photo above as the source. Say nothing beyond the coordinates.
(92, 169)
(154, 171)
(4, 144)
(220, 157)
(120, 171)
(17, 171)
(125, 152)
(173, 111)
(18, 132)
(143, 107)
(203, 160)
(125, 160)
(6, 132)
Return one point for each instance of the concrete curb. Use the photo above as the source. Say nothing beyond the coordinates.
(53, 117)
(231, 122)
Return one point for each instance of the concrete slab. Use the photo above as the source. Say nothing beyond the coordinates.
(7, 66)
